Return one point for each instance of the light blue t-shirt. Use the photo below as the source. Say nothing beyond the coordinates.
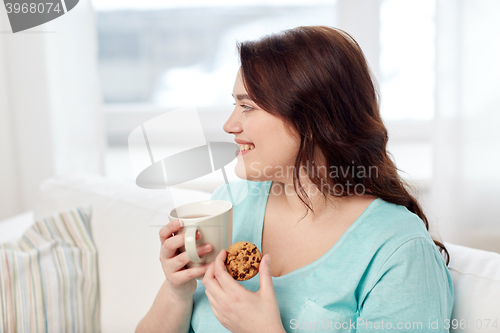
(384, 273)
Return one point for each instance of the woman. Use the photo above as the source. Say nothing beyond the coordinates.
(350, 246)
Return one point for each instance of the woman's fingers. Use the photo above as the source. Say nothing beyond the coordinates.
(178, 262)
(225, 279)
(210, 280)
(209, 274)
(172, 244)
(180, 277)
(212, 301)
(168, 229)
(213, 304)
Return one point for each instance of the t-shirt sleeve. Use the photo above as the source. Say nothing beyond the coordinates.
(412, 292)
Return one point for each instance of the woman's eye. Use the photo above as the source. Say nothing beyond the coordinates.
(246, 107)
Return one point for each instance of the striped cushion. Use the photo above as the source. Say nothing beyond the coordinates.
(49, 278)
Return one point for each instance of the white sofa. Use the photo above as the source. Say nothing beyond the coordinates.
(128, 250)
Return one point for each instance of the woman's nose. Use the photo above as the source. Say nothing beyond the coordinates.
(232, 124)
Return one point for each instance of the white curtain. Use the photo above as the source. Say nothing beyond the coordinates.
(50, 117)
(465, 192)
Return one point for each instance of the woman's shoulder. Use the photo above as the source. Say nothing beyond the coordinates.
(396, 239)
(392, 225)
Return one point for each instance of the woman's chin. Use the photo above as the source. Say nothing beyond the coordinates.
(240, 171)
(243, 173)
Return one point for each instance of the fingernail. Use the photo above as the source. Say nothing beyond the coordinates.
(206, 246)
(198, 234)
(181, 224)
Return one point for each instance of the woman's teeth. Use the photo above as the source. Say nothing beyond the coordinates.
(246, 147)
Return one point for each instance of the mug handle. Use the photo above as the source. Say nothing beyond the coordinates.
(190, 245)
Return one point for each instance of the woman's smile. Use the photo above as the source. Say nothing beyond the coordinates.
(243, 152)
(245, 149)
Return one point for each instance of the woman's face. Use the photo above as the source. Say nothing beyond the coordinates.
(274, 150)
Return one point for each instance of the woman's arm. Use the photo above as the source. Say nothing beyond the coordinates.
(172, 307)
(169, 313)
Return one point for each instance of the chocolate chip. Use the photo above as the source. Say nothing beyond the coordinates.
(244, 248)
(242, 276)
(245, 258)
(254, 251)
(258, 259)
(253, 258)
(246, 270)
(248, 253)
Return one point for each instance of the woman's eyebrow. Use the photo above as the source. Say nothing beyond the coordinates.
(242, 96)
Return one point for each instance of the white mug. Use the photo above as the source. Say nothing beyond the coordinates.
(214, 220)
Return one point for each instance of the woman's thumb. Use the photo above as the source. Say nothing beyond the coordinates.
(265, 277)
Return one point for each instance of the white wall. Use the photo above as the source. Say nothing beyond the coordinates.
(25, 128)
(9, 177)
(50, 121)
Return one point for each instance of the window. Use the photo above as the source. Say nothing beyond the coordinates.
(407, 59)
(407, 83)
(161, 56)
(156, 56)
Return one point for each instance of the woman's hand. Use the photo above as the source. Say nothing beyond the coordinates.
(182, 280)
(238, 309)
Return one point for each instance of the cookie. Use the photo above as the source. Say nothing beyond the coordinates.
(243, 260)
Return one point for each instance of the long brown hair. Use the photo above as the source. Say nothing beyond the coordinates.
(316, 79)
